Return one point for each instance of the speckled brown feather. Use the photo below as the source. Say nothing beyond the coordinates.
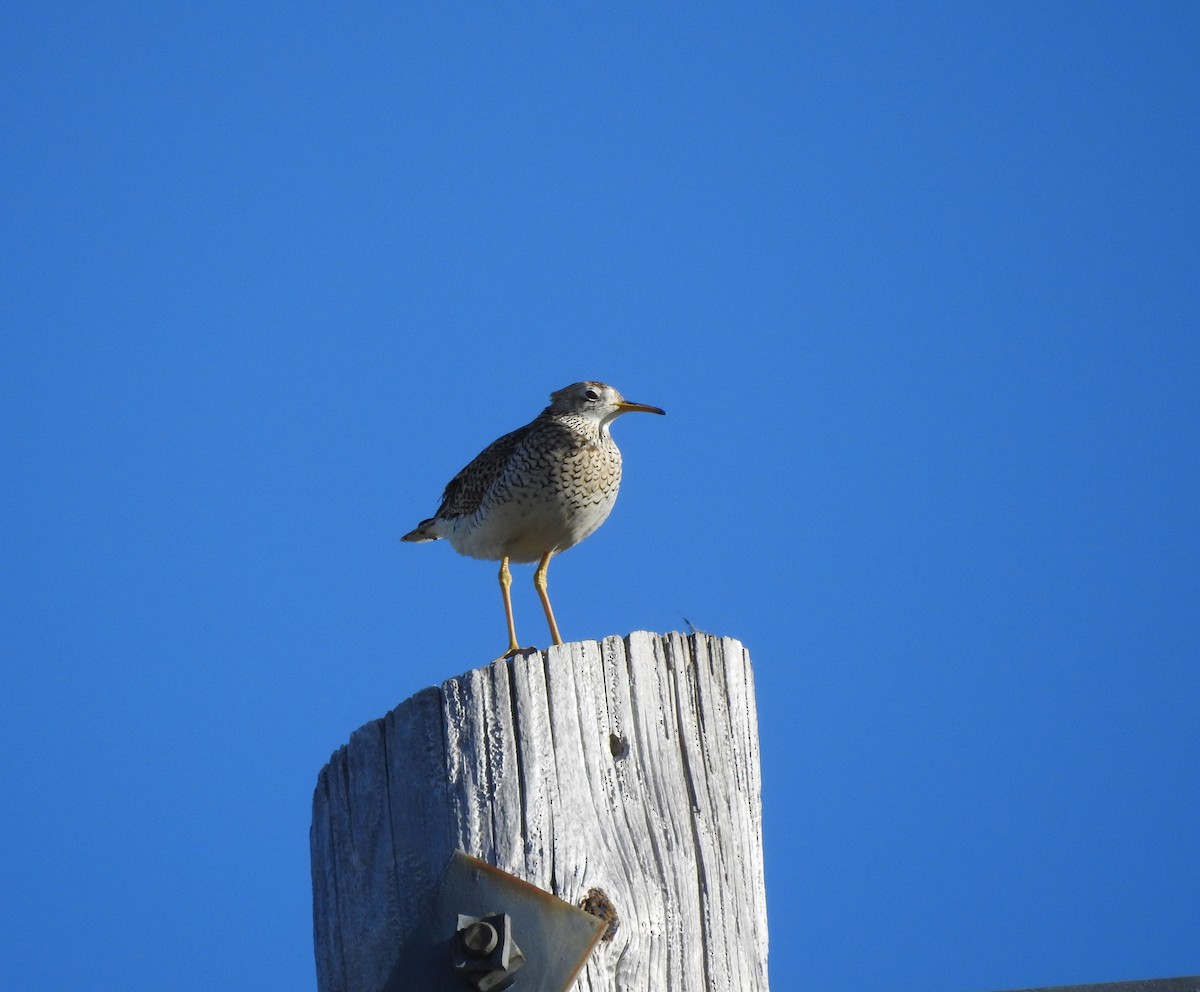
(536, 491)
(465, 492)
(563, 456)
(540, 489)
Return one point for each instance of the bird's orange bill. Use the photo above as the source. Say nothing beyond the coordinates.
(626, 407)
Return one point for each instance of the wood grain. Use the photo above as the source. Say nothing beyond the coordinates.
(622, 772)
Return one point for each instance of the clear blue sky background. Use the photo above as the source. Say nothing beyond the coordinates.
(919, 288)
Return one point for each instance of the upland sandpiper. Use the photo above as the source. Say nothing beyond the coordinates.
(537, 491)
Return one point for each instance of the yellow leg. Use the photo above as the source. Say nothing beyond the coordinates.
(505, 585)
(539, 580)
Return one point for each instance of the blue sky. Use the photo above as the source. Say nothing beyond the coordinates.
(919, 289)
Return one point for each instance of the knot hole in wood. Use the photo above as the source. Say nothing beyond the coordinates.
(597, 903)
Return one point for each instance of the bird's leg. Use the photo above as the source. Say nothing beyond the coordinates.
(505, 584)
(539, 580)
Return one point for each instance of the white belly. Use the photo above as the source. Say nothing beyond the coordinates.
(525, 529)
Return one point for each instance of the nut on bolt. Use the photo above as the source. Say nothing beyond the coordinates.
(478, 939)
(486, 956)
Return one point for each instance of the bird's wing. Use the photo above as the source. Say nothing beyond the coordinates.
(466, 490)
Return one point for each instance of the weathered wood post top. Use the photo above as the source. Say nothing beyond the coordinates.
(621, 776)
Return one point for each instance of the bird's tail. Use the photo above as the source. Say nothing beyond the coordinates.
(422, 532)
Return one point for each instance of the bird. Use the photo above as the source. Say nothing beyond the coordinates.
(536, 491)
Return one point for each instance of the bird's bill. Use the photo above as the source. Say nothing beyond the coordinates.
(626, 407)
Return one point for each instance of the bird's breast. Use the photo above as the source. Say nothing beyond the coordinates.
(549, 498)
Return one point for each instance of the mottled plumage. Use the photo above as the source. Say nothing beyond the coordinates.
(537, 491)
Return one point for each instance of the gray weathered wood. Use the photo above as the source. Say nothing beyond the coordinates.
(629, 766)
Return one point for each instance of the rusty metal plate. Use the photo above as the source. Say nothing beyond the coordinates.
(554, 937)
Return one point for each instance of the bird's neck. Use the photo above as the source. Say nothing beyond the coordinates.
(587, 427)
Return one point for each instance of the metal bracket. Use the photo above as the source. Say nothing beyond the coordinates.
(488, 930)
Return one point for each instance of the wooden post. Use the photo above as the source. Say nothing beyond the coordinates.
(623, 775)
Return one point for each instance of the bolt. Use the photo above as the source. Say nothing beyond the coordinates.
(479, 939)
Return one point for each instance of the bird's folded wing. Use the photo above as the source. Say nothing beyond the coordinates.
(466, 490)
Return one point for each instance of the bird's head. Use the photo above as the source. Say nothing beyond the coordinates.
(595, 401)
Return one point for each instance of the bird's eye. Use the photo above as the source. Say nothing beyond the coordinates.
(591, 394)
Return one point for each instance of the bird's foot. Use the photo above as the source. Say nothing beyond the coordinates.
(514, 650)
